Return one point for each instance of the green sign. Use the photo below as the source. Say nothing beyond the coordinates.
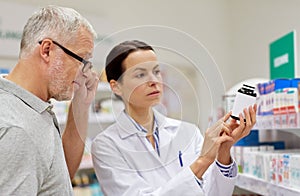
(282, 57)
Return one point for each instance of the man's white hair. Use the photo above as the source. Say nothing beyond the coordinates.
(58, 23)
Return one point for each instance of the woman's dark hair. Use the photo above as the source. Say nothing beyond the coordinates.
(114, 60)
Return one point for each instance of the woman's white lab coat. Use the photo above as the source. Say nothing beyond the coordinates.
(126, 163)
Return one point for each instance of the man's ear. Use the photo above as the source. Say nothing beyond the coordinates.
(115, 87)
(45, 48)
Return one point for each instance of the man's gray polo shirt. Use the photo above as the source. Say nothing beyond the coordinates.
(32, 159)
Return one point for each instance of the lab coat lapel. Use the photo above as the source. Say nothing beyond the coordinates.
(141, 155)
(173, 138)
(125, 126)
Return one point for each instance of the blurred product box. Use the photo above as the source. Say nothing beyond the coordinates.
(295, 171)
(4, 71)
(280, 167)
(278, 103)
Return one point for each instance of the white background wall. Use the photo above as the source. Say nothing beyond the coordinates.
(254, 24)
(235, 32)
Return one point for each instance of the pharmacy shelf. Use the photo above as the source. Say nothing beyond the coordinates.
(293, 130)
(262, 187)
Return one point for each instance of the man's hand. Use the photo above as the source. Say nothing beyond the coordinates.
(85, 87)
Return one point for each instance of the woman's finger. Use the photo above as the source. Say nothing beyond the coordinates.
(253, 114)
(226, 117)
(247, 117)
(224, 129)
(242, 122)
(224, 138)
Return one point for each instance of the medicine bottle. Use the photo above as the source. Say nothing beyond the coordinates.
(245, 97)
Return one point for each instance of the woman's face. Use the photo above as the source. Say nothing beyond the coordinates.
(141, 83)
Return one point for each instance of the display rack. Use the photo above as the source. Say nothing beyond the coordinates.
(272, 128)
(262, 187)
(291, 136)
(267, 123)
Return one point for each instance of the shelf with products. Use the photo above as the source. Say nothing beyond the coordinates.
(85, 183)
(267, 169)
(278, 104)
(269, 165)
(263, 187)
(289, 122)
(263, 169)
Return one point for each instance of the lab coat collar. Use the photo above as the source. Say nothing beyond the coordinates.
(127, 128)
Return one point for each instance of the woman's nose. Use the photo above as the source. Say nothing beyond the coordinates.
(154, 77)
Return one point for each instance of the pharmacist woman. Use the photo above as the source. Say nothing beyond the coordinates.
(147, 153)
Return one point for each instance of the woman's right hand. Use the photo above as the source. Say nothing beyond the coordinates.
(214, 136)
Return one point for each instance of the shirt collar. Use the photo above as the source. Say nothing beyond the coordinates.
(140, 127)
(127, 126)
(28, 98)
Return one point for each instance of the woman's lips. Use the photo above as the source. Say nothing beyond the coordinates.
(153, 93)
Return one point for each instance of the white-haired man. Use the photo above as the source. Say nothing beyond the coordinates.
(36, 158)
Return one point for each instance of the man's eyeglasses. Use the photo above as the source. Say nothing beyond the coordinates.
(86, 64)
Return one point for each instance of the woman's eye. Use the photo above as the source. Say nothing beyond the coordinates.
(156, 72)
(140, 75)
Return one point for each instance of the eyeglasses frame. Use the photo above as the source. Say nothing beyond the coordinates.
(75, 56)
